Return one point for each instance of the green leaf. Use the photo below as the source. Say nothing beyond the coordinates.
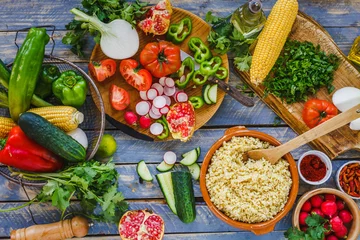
(243, 63)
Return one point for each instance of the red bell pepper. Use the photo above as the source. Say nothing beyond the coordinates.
(22, 153)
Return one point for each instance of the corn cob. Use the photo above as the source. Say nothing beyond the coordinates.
(6, 124)
(64, 117)
(272, 39)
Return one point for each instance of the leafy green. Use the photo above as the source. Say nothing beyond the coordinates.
(300, 71)
(106, 11)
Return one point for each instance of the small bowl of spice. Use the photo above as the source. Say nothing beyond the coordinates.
(314, 167)
(348, 179)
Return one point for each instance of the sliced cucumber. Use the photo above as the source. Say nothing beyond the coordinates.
(195, 171)
(164, 167)
(212, 93)
(205, 93)
(198, 151)
(166, 186)
(190, 158)
(143, 171)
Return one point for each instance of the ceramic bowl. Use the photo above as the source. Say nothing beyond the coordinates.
(338, 176)
(324, 158)
(257, 228)
(354, 230)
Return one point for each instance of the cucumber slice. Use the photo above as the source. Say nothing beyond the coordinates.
(205, 93)
(190, 158)
(212, 93)
(166, 186)
(143, 171)
(198, 150)
(195, 171)
(164, 167)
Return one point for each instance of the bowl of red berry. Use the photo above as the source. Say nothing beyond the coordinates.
(325, 213)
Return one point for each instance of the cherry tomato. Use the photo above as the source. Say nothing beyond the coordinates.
(103, 69)
(318, 111)
(140, 79)
(119, 97)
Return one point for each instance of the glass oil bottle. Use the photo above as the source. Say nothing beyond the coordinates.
(354, 54)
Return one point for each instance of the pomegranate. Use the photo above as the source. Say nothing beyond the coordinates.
(157, 19)
(181, 121)
(306, 207)
(141, 225)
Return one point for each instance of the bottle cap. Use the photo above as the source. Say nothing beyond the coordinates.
(255, 6)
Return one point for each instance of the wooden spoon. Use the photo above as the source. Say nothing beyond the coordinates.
(274, 154)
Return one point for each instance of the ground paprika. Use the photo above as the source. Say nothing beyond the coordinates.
(312, 168)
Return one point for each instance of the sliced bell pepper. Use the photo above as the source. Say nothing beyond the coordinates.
(221, 73)
(48, 75)
(70, 88)
(210, 67)
(178, 32)
(197, 101)
(185, 73)
(165, 132)
(199, 78)
(201, 51)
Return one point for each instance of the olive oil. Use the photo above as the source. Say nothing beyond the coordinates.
(354, 54)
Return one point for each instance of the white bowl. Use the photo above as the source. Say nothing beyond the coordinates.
(324, 158)
(337, 178)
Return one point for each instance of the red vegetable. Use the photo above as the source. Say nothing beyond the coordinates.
(318, 111)
(330, 197)
(119, 97)
(336, 224)
(340, 204)
(131, 118)
(306, 207)
(141, 224)
(145, 122)
(137, 77)
(302, 218)
(103, 69)
(22, 153)
(329, 208)
(331, 237)
(345, 216)
(181, 121)
(342, 232)
(157, 19)
(318, 212)
(303, 228)
(327, 226)
(316, 201)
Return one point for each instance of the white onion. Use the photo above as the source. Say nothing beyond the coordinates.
(346, 98)
(80, 136)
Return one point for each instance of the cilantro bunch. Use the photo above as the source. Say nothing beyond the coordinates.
(315, 231)
(106, 11)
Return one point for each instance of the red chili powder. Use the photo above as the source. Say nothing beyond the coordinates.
(312, 168)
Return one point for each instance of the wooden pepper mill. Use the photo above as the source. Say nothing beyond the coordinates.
(75, 227)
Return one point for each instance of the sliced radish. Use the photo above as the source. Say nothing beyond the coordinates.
(182, 78)
(159, 88)
(181, 97)
(170, 157)
(162, 81)
(150, 105)
(168, 100)
(165, 110)
(154, 115)
(155, 110)
(151, 93)
(156, 129)
(169, 82)
(169, 91)
(159, 102)
(142, 108)
(143, 95)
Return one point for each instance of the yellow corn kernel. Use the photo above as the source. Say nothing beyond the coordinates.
(272, 39)
(6, 124)
(64, 117)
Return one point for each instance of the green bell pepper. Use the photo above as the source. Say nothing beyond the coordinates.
(221, 73)
(197, 101)
(165, 132)
(48, 75)
(178, 32)
(210, 67)
(201, 51)
(199, 78)
(70, 88)
(185, 73)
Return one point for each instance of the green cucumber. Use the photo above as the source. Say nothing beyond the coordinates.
(4, 75)
(205, 93)
(184, 196)
(190, 158)
(164, 167)
(50, 137)
(198, 151)
(166, 186)
(143, 171)
(212, 93)
(195, 171)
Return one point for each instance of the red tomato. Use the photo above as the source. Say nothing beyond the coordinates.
(161, 58)
(318, 111)
(140, 79)
(103, 69)
(119, 97)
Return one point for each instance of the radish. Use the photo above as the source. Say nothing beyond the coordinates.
(145, 122)
(162, 81)
(156, 129)
(168, 100)
(306, 207)
(318, 212)
(329, 208)
(327, 228)
(142, 108)
(169, 91)
(303, 228)
(302, 217)
(155, 110)
(336, 224)
(154, 115)
(330, 197)
(170, 158)
(331, 237)
(316, 201)
(169, 82)
(159, 88)
(165, 110)
(345, 216)
(143, 95)
(342, 232)
(159, 102)
(181, 97)
(130, 118)
(340, 204)
(151, 93)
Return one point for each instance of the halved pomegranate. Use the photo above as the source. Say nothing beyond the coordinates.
(141, 225)
(181, 121)
(157, 19)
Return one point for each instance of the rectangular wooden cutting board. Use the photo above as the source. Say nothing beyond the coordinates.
(338, 141)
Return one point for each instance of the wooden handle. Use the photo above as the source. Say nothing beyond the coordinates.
(75, 227)
(320, 130)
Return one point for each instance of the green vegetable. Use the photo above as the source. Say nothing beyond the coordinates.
(178, 32)
(143, 171)
(196, 101)
(187, 70)
(70, 88)
(26, 70)
(205, 93)
(50, 137)
(166, 186)
(300, 71)
(190, 158)
(4, 75)
(48, 75)
(107, 147)
(201, 51)
(164, 167)
(199, 78)
(106, 11)
(165, 132)
(221, 73)
(195, 171)
(210, 67)
(3, 99)
(93, 183)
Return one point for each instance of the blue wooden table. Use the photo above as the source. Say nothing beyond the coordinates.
(339, 17)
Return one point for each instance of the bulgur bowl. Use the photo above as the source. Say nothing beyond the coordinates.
(261, 227)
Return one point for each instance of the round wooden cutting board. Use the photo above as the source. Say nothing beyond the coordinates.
(200, 29)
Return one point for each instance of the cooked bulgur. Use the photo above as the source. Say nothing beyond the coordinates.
(248, 191)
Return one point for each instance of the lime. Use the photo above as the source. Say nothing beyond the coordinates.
(107, 147)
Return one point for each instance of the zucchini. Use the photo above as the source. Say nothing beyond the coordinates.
(190, 158)
(164, 167)
(143, 171)
(195, 171)
(50, 137)
(205, 93)
(166, 186)
(212, 93)
(184, 196)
